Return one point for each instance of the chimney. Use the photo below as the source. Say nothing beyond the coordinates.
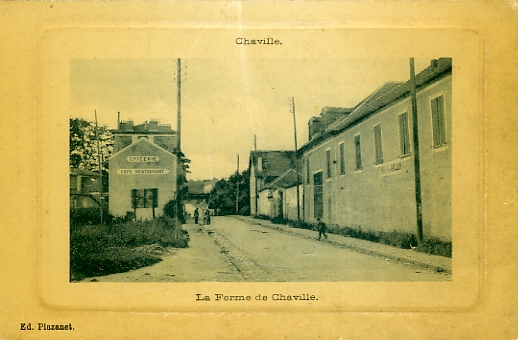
(315, 125)
(164, 127)
(331, 114)
(153, 125)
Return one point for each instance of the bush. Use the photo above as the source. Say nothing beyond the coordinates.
(355, 232)
(435, 246)
(300, 225)
(170, 210)
(279, 220)
(398, 239)
(106, 249)
(90, 216)
(110, 261)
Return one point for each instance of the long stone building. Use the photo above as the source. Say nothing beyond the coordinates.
(358, 165)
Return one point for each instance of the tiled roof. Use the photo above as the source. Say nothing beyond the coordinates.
(384, 96)
(286, 180)
(333, 109)
(142, 143)
(379, 98)
(274, 163)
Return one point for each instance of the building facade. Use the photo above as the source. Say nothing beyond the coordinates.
(265, 167)
(279, 197)
(85, 189)
(142, 179)
(359, 171)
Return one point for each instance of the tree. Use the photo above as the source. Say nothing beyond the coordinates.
(83, 145)
(184, 161)
(173, 205)
(223, 195)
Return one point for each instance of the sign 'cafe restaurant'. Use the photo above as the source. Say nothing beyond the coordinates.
(142, 180)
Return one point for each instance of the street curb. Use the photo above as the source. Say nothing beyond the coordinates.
(293, 231)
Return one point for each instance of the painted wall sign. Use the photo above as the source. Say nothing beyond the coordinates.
(140, 159)
(391, 168)
(143, 171)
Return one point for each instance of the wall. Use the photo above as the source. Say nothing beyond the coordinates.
(270, 203)
(290, 203)
(253, 196)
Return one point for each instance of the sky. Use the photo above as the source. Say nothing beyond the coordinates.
(225, 102)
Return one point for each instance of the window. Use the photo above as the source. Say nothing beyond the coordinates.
(73, 182)
(378, 146)
(144, 198)
(404, 136)
(438, 124)
(358, 152)
(318, 195)
(342, 158)
(328, 163)
(329, 209)
(307, 171)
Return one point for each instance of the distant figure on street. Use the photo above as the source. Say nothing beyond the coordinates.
(321, 226)
(196, 215)
(207, 216)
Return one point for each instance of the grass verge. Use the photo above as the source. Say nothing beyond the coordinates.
(107, 249)
(404, 240)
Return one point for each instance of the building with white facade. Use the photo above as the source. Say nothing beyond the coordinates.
(359, 170)
(265, 167)
(143, 174)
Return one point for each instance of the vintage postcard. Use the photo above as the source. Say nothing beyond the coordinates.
(197, 163)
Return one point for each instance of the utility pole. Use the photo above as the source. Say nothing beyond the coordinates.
(296, 156)
(255, 177)
(237, 189)
(178, 148)
(417, 162)
(99, 157)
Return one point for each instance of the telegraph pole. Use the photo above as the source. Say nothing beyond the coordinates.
(417, 162)
(99, 157)
(237, 182)
(255, 177)
(296, 155)
(178, 148)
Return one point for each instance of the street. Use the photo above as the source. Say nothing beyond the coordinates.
(232, 250)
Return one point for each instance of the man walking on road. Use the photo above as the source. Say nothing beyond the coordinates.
(207, 216)
(321, 226)
(196, 216)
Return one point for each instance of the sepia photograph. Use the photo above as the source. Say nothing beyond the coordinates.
(258, 170)
(261, 170)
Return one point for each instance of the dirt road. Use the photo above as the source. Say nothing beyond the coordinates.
(231, 250)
